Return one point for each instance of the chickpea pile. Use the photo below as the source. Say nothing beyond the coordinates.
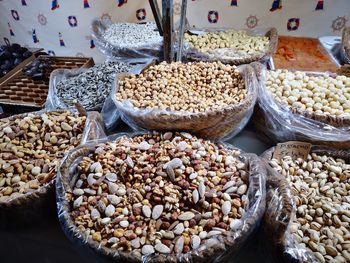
(317, 94)
(192, 87)
(240, 42)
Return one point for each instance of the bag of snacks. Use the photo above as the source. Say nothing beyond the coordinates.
(302, 106)
(314, 227)
(345, 46)
(90, 87)
(31, 147)
(161, 197)
(229, 45)
(208, 99)
(127, 40)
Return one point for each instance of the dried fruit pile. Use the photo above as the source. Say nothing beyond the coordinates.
(159, 193)
(32, 146)
(321, 189)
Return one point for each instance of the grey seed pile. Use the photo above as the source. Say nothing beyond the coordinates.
(130, 35)
(92, 87)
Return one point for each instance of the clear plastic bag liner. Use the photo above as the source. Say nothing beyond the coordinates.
(222, 54)
(98, 26)
(28, 207)
(280, 123)
(216, 125)
(219, 251)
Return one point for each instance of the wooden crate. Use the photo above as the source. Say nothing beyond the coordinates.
(17, 89)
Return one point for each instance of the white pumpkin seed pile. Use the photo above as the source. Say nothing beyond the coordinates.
(159, 193)
(131, 35)
(92, 87)
(31, 148)
(321, 189)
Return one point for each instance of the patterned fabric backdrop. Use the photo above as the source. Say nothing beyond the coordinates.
(62, 27)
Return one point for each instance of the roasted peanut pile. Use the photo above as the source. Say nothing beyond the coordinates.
(318, 94)
(321, 189)
(31, 147)
(191, 87)
(168, 193)
(237, 43)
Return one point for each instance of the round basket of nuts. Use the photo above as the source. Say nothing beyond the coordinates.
(305, 107)
(318, 229)
(208, 99)
(161, 198)
(230, 46)
(127, 40)
(345, 47)
(31, 146)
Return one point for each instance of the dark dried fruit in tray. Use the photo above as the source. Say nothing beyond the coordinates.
(37, 69)
(11, 56)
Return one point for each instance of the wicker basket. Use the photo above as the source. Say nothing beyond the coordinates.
(221, 252)
(294, 131)
(280, 207)
(345, 46)
(27, 207)
(210, 125)
(193, 54)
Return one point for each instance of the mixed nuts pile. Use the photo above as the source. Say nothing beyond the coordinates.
(31, 148)
(230, 43)
(319, 94)
(159, 193)
(92, 87)
(321, 189)
(186, 87)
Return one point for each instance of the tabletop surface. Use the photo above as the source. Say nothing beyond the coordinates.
(45, 242)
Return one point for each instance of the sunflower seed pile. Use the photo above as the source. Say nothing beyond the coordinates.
(91, 87)
(130, 35)
(159, 193)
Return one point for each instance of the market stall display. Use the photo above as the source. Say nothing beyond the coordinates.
(304, 107)
(90, 87)
(345, 46)
(209, 99)
(31, 147)
(319, 223)
(301, 53)
(127, 40)
(21, 89)
(229, 46)
(161, 197)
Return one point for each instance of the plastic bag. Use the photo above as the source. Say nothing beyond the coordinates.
(345, 47)
(221, 124)
(151, 50)
(219, 252)
(220, 54)
(281, 210)
(279, 123)
(27, 207)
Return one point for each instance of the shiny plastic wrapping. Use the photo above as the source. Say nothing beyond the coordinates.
(345, 46)
(215, 125)
(98, 27)
(220, 54)
(217, 252)
(280, 123)
(281, 211)
(27, 207)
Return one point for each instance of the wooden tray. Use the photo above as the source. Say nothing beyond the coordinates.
(17, 89)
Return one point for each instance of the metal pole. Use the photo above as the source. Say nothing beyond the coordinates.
(157, 15)
(168, 22)
(182, 29)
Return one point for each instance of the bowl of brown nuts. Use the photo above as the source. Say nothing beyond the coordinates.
(31, 147)
(303, 106)
(161, 197)
(318, 227)
(230, 46)
(208, 99)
